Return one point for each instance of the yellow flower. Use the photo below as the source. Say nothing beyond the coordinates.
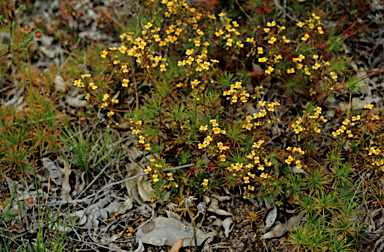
(148, 25)
(125, 83)
(260, 50)
(333, 75)
(148, 169)
(216, 130)
(286, 40)
(316, 66)
(266, 30)
(239, 44)
(272, 40)
(291, 71)
(93, 86)
(305, 38)
(278, 58)
(299, 66)
(189, 52)
(105, 97)
(203, 128)
(262, 60)
(269, 70)
(214, 123)
(78, 83)
(300, 24)
(219, 33)
(320, 30)
(315, 17)
(369, 106)
(103, 54)
(289, 160)
(205, 182)
(306, 70)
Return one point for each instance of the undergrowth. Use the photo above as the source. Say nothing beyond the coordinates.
(245, 100)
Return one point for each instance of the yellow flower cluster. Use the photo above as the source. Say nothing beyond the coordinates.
(235, 167)
(207, 141)
(236, 92)
(296, 149)
(216, 130)
(262, 113)
(309, 122)
(273, 38)
(372, 151)
(139, 133)
(313, 23)
(221, 147)
(92, 86)
(379, 163)
(229, 33)
(297, 152)
(78, 83)
(343, 128)
(257, 151)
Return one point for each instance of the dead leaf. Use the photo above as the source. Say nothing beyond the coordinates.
(168, 231)
(282, 228)
(227, 226)
(178, 245)
(65, 186)
(214, 208)
(60, 84)
(54, 172)
(271, 217)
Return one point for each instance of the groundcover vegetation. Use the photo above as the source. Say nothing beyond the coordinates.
(182, 105)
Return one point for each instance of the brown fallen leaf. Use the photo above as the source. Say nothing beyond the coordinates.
(178, 244)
